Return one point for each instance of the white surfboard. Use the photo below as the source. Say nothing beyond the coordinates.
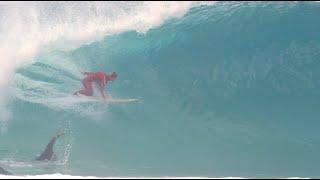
(108, 99)
(115, 100)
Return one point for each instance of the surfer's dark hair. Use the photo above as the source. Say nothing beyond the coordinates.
(114, 74)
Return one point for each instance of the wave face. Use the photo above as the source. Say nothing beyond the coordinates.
(229, 89)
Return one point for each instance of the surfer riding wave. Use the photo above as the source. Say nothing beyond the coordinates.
(100, 78)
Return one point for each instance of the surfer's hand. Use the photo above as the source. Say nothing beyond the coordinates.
(61, 133)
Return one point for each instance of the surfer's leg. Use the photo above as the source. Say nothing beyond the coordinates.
(80, 91)
(77, 92)
(88, 90)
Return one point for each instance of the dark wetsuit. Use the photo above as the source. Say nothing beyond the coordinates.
(4, 172)
(47, 154)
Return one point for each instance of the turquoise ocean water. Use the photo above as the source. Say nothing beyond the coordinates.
(226, 89)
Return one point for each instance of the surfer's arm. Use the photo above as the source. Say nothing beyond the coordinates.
(102, 84)
(102, 92)
(4, 172)
(101, 88)
(48, 152)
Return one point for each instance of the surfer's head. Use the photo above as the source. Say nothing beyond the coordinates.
(113, 76)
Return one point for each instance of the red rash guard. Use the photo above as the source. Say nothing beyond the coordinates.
(100, 77)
